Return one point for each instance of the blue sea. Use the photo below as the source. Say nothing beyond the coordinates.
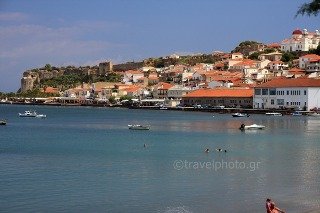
(82, 159)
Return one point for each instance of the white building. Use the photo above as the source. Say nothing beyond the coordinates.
(132, 76)
(298, 93)
(177, 91)
(301, 41)
(306, 59)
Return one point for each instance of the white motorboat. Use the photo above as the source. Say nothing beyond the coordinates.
(274, 114)
(138, 127)
(238, 114)
(29, 114)
(3, 122)
(251, 127)
(41, 116)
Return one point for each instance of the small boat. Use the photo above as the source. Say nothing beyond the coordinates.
(274, 113)
(314, 114)
(3, 122)
(251, 127)
(296, 114)
(29, 114)
(163, 108)
(138, 127)
(41, 116)
(238, 114)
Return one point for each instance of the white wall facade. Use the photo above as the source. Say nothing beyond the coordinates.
(293, 97)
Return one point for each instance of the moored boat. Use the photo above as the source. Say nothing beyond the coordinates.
(3, 122)
(41, 116)
(28, 113)
(251, 127)
(314, 114)
(238, 114)
(274, 114)
(296, 114)
(138, 127)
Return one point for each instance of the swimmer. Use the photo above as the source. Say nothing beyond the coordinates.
(207, 150)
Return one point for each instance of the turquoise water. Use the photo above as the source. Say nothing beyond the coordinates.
(86, 160)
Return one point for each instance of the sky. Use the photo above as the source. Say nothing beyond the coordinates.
(82, 32)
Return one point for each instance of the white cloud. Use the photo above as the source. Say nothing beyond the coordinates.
(13, 16)
(27, 39)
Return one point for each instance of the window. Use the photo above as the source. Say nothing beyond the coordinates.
(305, 92)
(280, 101)
(264, 91)
(287, 92)
(272, 101)
(257, 91)
(272, 91)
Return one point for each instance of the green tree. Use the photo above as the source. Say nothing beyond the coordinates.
(254, 56)
(315, 51)
(286, 57)
(309, 9)
(112, 99)
(126, 97)
(48, 67)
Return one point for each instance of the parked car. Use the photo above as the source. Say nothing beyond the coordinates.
(197, 106)
(219, 107)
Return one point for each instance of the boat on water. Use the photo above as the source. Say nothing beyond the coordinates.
(28, 113)
(314, 114)
(251, 127)
(138, 127)
(296, 114)
(31, 114)
(274, 114)
(238, 114)
(41, 116)
(3, 122)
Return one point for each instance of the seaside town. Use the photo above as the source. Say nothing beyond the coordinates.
(281, 75)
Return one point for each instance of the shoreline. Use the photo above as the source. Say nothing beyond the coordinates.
(189, 109)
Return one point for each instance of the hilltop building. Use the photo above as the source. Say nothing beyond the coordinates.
(105, 67)
(301, 41)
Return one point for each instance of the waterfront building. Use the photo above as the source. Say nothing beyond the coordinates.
(297, 93)
(301, 40)
(160, 90)
(220, 97)
(177, 91)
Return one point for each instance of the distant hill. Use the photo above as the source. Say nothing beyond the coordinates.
(248, 47)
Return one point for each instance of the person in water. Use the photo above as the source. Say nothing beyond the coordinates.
(268, 203)
(275, 209)
(271, 208)
(206, 150)
(219, 150)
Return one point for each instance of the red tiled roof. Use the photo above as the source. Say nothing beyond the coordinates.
(163, 85)
(133, 72)
(210, 93)
(296, 70)
(297, 32)
(246, 62)
(274, 45)
(292, 82)
(311, 56)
